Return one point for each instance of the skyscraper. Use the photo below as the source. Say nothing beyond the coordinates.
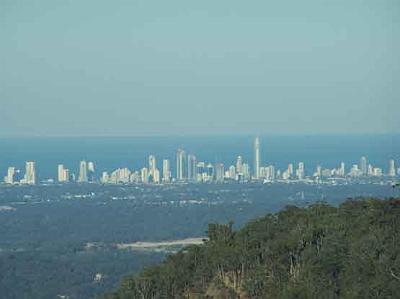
(257, 161)
(152, 164)
(239, 164)
(192, 168)
(342, 170)
(219, 172)
(271, 173)
(60, 173)
(246, 171)
(156, 176)
(104, 177)
(201, 171)
(392, 168)
(210, 171)
(232, 172)
(370, 170)
(318, 171)
(91, 172)
(9, 179)
(90, 166)
(300, 171)
(166, 171)
(290, 170)
(63, 174)
(363, 166)
(83, 178)
(180, 165)
(144, 175)
(30, 173)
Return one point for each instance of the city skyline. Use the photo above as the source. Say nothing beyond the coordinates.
(189, 169)
(198, 149)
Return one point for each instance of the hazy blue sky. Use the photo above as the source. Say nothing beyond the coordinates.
(184, 67)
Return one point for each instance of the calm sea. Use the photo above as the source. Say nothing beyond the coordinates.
(132, 152)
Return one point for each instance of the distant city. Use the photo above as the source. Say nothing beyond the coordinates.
(190, 170)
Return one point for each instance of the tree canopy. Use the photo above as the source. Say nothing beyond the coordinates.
(350, 251)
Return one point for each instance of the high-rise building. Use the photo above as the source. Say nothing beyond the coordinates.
(377, 171)
(60, 173)
(239, 164)
(210, 171)
(355, 171)
(90, 166)
(10, 178)
(118, 176)
(370, 171)
(285, 175)
(219, 172)
(166, 171)
(104, 177)
(63, 174)
(154, 173)
(30, 173)
(201, 171)
(144, 175)
(152, 165)
(342, 170)
(232, 172)
(156, 176)
(300, 171)
(180, 165)
(257, 161)
(363, 166)
(135, 177)
(318, 171)
(270, 173)
(246, 171)
(83, 177)
(192, 168)
(91, 172)
(392, 168)
(290, 170)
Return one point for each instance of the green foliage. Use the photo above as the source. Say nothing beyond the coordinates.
(316, 252)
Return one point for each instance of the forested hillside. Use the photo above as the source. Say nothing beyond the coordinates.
(352, 251)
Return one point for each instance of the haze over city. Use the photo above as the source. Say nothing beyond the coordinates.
(73, 68)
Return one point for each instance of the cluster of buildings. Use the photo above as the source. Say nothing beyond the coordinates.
(14, 175)
(189, 169)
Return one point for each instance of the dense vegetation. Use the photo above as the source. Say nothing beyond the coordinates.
(352, 251)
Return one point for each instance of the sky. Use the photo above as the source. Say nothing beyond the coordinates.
(127, 68)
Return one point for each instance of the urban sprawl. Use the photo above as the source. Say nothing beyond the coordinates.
(189, 169)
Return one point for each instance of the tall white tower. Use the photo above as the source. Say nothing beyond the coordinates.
(152, 165)
(180, 165)
(144, 175)
(363, 166)
(300, 171)
(166, 171)
(30, 173)
(342, 171)
(239, 164)
(83, 178)
(257, 161)
(9, 179)
(392, 168)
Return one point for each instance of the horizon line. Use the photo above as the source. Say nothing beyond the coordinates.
(196, 135)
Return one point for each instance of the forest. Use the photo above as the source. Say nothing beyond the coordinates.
(319, 251)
